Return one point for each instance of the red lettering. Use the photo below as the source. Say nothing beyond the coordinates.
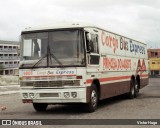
(119, 64)
(109, 41)
(103, 41)
(113, 63)
(27, 73)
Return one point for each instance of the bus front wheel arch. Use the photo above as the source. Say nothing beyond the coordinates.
(91, 106)
(39, 107)
(134, 88)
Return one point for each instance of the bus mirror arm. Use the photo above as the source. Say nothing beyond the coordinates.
(88, 36)
(88, 47)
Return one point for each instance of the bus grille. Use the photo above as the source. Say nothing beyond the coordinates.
(50, 83)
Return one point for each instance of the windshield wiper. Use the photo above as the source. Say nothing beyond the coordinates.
(39, 61)
(48, 55)
(54, 57)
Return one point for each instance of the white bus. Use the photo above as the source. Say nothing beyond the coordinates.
(79, 63)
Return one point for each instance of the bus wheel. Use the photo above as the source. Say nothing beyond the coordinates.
(92, 105)
(131, 94)
(136, 89)
(40, 106)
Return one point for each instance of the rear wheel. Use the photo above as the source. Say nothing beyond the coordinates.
(131, 94)
(92, 105)
(136, 89)
(40, 106)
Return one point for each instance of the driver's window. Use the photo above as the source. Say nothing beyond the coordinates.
(94, 43)
(92, 49)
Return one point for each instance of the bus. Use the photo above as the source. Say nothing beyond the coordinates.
(79, 63)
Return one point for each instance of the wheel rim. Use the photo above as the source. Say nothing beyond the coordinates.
(136, 87)
(94, 98)
(132, 90)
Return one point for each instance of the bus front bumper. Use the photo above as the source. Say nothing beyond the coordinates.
(70, 95)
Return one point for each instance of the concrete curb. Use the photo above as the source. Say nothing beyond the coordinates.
(8, 92)
(6, 86)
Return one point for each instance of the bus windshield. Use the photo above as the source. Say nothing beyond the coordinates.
(55, 48)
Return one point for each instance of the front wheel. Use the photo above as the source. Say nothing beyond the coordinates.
(40, 106)
(92, 105)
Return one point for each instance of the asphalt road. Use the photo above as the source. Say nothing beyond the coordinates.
(145, 106)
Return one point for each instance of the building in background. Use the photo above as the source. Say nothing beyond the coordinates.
(9, 57)
(154, 62)
(153, 53)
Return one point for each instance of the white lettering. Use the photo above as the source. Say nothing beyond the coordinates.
(34, 123)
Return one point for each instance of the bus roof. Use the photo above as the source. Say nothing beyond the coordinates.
(72, 25)
(56, 26)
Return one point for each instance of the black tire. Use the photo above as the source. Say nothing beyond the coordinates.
(92, 105)
(39, 107)
(136, 87)
(131, 94)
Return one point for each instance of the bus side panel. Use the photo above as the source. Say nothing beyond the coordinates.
(114, 89)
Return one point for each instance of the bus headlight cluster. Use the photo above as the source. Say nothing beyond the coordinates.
(25, 95)
(28, 95)
(68, 95)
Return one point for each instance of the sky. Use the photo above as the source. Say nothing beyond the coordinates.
(138, 19)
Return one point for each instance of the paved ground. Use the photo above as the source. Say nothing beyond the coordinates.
(145, 106)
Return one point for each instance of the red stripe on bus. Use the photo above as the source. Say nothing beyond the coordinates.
(89, 81)
(48, 76)
(144, 75)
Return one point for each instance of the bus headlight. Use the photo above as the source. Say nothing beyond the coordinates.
(25, 95)
(31, 95)
(74, 94)
(66, 94)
